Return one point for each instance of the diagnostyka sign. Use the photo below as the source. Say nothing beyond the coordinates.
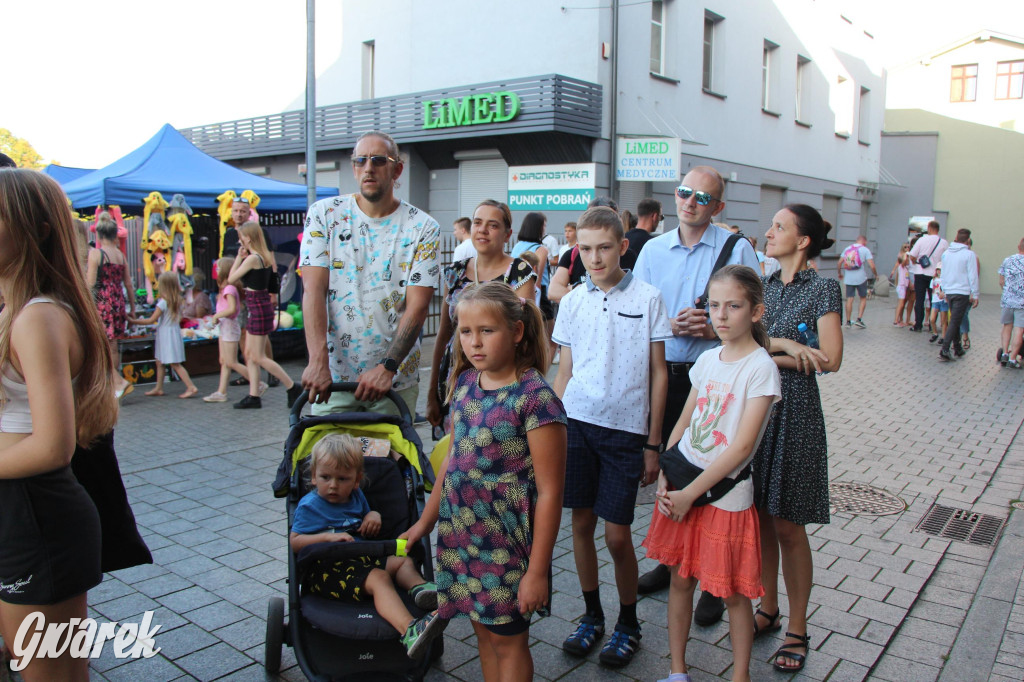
(486, 107)
(647, 159)
(566, 187)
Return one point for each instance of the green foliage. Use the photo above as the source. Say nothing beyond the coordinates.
(20, 150)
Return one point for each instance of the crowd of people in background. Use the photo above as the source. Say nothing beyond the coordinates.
(684, 362)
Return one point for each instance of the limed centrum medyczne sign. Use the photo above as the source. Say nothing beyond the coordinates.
(647, 159)
(486, 107)
(562, 187)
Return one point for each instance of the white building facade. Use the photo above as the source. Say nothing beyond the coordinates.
(785, 98)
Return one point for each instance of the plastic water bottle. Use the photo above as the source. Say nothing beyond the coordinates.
(809, 338)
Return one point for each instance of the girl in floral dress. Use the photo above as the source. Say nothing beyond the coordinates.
(499, 497)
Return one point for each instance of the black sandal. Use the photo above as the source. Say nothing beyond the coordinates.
(786, 651)
(774, 622)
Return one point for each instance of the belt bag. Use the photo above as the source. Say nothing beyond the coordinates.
(681, 472)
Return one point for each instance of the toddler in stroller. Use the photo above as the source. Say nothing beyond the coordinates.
(335, 511)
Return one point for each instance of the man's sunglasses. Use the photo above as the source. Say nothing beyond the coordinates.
(703, 198)
(377, 161)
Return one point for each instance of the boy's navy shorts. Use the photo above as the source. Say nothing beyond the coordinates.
(603, 468)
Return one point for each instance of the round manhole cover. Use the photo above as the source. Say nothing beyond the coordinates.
(1017, 505)
(857, 498)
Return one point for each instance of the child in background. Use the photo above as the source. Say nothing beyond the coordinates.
(228, 305)
(499, 498)
(168, 344)
(335, 512)
(534, 262)
(940, 308)
(901, 273)
(719, 543)
(613, 380)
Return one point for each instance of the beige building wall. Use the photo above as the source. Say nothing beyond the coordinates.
(979, 180)
(925, 84)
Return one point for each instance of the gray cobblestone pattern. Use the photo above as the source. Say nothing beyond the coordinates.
(888, 603)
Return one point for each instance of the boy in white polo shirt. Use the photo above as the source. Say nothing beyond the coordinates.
(612, 380)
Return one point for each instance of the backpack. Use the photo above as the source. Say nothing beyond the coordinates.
(851, 257)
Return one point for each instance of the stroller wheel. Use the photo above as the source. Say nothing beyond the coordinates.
(275, 635)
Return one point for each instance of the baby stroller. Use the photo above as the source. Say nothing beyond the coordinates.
(337, 640)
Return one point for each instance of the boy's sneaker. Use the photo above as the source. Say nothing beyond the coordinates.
(860, 323)
(424, 596)
(620, 649)
(1003, 358)
(587, 633)
(420, 633)
(249, 402)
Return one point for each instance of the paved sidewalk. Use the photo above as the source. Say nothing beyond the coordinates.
(888, 603)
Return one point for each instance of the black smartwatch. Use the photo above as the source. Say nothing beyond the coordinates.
(390, 365)
(659, 448)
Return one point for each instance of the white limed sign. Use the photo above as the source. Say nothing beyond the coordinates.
(647, 159)
(563, 187)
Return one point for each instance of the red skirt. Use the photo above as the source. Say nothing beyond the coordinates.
(721, 549)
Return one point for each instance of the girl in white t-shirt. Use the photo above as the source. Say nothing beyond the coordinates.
(718, 543)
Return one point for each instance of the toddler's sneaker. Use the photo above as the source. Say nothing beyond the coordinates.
(424, 596)
(216, 397)
(420, 633)
(620, 649)
(587, 633)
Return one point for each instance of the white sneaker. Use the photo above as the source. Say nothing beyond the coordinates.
(216, 397)
(263, 387)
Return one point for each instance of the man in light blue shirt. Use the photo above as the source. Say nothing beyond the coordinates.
(679, 264)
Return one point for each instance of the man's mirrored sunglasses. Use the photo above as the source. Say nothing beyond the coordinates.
(703, 198)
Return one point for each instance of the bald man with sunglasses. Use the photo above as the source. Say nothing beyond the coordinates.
(679, 263)
(369, 269)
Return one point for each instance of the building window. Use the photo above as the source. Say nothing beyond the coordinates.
(830, 212)
(864, 117)
(842, 104)
(712, 38)
(963, 83)
(658, 37)
(367, 75)
(1010, 80)
(803, 86)
(769, 69)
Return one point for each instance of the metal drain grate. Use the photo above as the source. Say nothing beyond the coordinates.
(961, 524)
(857, 498)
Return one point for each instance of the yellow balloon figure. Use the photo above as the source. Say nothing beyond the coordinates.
(224, 211)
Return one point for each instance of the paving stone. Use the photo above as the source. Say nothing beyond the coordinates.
(184, 641)
(188, 600)
(245, 633)
(901, 669)
(907, 647)
(155, 669)
(161, 585)
(121, 608)
(849, 648)
(930, 631)
(213, 662)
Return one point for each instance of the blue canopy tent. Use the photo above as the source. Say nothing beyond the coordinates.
(170, 164)
(65, 174)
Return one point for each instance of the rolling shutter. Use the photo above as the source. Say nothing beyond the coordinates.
(481, 179)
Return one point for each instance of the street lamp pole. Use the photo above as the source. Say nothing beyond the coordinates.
(310, 103)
